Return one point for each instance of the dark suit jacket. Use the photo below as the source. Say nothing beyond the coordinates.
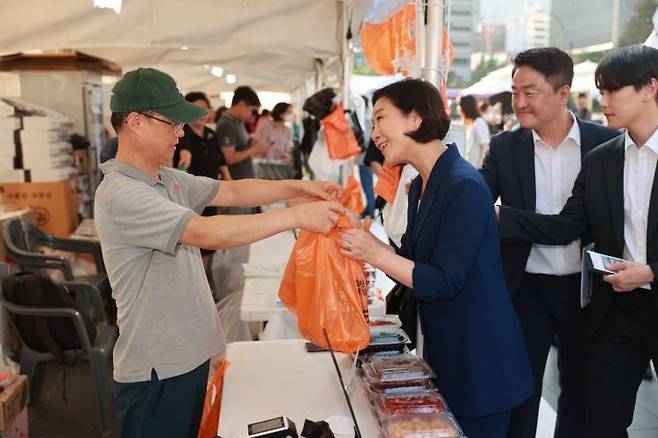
(473, 339)
(596, 206)
(509, 170)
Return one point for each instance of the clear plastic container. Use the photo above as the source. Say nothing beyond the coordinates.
(426, 402)
(395, 336)
(375, 391)
(384, 324)
(393, 369)
(441, 425)
(367, 357)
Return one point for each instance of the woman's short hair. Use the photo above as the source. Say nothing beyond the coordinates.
(279, 110)
(469, 107)
(417, 95)
(631, 65)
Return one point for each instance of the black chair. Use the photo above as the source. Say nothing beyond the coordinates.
(24, 241)
(97, 352)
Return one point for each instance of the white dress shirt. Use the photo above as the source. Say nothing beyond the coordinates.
(639, 170)
(556, 170)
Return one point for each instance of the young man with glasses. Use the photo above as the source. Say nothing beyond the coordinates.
(150, 229)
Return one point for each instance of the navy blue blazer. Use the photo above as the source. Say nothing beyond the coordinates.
(473, 339)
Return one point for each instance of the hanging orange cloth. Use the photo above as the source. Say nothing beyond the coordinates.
(387, 182)
(339, 137)
(351, 197)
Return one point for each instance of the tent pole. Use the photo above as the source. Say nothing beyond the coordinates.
(420, 37)
(434, 34)
(346, 49)
(346, 58)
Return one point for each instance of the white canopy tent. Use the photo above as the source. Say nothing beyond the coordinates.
(501, 80)
(495, 82)
(583, 78)
(271, 45)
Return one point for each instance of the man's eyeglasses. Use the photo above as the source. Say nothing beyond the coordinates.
(174, 125)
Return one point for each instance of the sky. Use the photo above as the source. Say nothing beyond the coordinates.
(497, 11)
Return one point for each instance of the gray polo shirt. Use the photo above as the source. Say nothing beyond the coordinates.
(230, 132)
(166, 314)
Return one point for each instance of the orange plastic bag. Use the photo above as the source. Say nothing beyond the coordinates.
(387, 182)
(210, 418)
(327, 291)
(339, 137)
(351, 197)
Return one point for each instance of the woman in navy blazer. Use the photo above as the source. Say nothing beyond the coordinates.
(450, 256)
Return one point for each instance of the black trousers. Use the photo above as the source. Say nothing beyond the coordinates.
(547, 306)
(618, 355)
(163, 408)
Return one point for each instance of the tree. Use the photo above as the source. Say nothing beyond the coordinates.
(486, 67)
(640, 25)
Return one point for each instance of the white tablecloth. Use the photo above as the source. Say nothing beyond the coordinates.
(260, 296)
(260, 299)
(268, 379)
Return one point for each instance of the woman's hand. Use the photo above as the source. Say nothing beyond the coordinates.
(359, 244)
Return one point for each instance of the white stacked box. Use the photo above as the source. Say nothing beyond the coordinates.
(47, 175)
(47, 123)
(7, 146)
(43, 136)
(12, 176)
(45, 148)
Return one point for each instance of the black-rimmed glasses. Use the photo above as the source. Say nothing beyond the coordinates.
(174, 125)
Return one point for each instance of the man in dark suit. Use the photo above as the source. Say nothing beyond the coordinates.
(533, 168)
(615, 201)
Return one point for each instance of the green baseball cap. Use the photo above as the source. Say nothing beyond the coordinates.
(148, 89)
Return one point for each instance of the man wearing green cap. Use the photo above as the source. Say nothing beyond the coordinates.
(148, 220)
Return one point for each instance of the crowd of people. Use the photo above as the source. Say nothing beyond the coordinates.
(491, 251)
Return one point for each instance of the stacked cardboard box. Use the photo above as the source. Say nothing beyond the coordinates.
(13, 409)
(36, 161)
(54, 203)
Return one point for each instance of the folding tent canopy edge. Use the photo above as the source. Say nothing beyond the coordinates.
(268, 45)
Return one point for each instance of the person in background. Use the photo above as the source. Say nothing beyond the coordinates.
(218, 114)
(477, 130)
(582, 111)
(450, 257)
(148, 223)
(274, 132)
(534, 168)
(198, 153)
(263, 117)
(487, 112)
(211, 117)
(614, 203)
(236, 145)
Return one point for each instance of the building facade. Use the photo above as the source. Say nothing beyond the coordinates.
(527, 30)
(462, 35)
(579, 24)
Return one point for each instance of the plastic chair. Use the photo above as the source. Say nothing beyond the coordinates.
(97, 352)
(23, 241)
